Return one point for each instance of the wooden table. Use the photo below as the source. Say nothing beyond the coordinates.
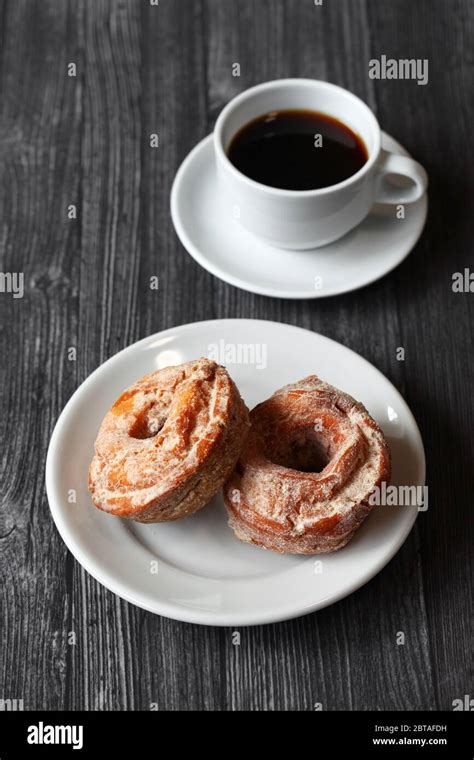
(84, 141)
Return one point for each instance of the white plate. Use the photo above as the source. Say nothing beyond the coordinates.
(223, 247)
(205, 575)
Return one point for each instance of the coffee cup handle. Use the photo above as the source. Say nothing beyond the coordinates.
(393, 164)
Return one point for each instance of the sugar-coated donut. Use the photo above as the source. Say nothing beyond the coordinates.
(306, 471)
(168, 443)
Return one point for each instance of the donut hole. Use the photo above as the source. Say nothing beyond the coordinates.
(307, 451)
(148, 423)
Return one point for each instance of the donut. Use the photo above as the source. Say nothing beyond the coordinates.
(306, 471)
(168, 443)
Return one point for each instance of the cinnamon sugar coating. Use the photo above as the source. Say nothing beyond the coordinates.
(306, 471)
(168, 443)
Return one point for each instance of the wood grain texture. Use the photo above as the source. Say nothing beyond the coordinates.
(85, 140)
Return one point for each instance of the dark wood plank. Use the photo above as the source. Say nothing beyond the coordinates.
(436, 324)
(101, 669)
(39, 154)
(295, 42)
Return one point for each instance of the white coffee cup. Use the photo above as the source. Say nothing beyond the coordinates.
(306, 219)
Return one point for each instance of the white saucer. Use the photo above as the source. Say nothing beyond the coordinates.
(222, 246)
(205, 575)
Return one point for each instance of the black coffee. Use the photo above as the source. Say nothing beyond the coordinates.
(297, 150)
